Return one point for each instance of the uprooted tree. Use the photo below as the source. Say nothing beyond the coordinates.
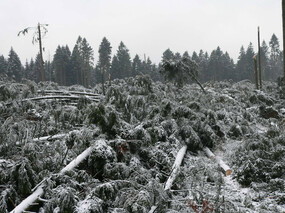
(180, 71)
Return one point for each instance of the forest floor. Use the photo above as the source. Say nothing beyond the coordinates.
(130, 138)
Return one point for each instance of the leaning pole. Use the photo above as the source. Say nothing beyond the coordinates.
(283, 21)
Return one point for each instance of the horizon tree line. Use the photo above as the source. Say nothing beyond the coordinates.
(78, 66)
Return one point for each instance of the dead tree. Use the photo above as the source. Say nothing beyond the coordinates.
(38, 38)
(255, 71)
(283, 20)
(259, 60)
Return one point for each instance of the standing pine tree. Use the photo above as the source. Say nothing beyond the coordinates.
(29, 69)
(265, 61)
(36, 69)
(215, 65)
(136, 66)
(275, 61)
(203, 65)
(14, 66)
(61, 64)
(227, 67)
(241, 65)
(3, 65)
(75, 66)
(105, 50)
(124, 61)
(249, 62)
(115, 71)
(186, 54)
(87, 59)
(195, 57)
(167, 55)
(48, 70)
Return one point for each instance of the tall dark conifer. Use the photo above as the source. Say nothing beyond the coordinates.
(275, 61)
(104, 63)
(115, 72)
(124, 61)
(75, 66)
(136, 66)
(14, 66)
(3, 65)
(167, 55)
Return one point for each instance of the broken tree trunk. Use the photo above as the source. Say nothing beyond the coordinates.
(67, 92)
(175, 171)
(175, 167)
(39, 190)
(227, 170)
(59, 97)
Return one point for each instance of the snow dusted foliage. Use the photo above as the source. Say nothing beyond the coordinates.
(141, 126)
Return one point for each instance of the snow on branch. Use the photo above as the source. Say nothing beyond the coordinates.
(39, 191)
(68, 92)
(59, 97)
(175, 167)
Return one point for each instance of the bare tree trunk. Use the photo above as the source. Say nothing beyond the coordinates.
(255, 72)
(259, 60)
(283, 20)
(41, 53)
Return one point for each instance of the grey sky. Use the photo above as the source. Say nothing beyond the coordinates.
(145, 26)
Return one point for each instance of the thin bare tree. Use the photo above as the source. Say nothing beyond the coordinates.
(39, 31)
(283, 20)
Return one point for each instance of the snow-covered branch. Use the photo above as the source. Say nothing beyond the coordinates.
(39, 191)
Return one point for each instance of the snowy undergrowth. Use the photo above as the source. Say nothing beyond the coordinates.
(144, 125)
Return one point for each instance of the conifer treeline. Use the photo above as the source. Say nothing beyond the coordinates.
(77, 67)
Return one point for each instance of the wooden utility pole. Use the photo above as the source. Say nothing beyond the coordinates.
(283, 20)
(259, 60)
(41, 53)
(255, 71)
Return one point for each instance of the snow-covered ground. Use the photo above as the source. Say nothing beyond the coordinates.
(141, 126)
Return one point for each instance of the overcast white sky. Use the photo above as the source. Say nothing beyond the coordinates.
(145, 26)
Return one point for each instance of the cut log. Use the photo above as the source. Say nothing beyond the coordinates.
(39, 191)
(227, 170)
(209, 153)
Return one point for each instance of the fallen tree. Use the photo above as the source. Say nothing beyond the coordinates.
(226, 169)
(59, 97)
(68, 92)
(39, 188)
(175, 170)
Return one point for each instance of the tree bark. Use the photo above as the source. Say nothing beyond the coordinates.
(283, 21)
(259, 61)
(41, 53)
(255, 72)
